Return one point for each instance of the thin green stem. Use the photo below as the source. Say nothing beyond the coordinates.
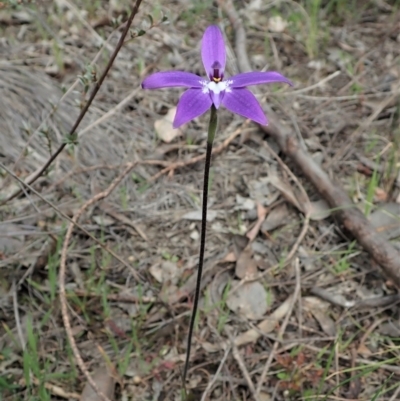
(212, 128)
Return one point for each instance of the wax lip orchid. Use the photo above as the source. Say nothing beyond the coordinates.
(203, 93)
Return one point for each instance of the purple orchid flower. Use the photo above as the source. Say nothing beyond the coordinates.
(202, 93)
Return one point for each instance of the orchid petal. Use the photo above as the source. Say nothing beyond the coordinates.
(168, 79)
(256, 78)
(242, 101)
(213, 51)
(216, 99)
(216, 91)
(193, 103)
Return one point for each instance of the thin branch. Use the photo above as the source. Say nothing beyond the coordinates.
(282, 329)
(216, 150)
(112, 253)
(306, 223)
(217, 373)
(242, 366)
(63, 97)
(396, 394)
(83, 112)
(63, 263)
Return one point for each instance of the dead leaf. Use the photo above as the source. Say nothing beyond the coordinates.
(15, 18)
(277, 24)
(285, 190)
(266, 326)
(261, 213)
(103, 221)
(255, 5)
(211, 348)
(249, 300)
(12, 238)
(275, 218)
(264, 396)
(306, 259)
(261, 191)
(246, 266)
(239, 244)
(218, 286)
(319, 309)
(230, 257)
(194, 235)
(318, 210)
(196, 215)
(386, 220)
(105, 383)
(165, 131)
(390, 329)
(326, 323)
(380, 195)
(166, 271)
(244, 203)
(364, 350)
(53, 70)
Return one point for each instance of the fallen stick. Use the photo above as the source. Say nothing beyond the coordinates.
(378, 247)
(61, 280)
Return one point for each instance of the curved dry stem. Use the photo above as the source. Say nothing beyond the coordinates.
(54, 207)
(81, 171)
(63, 263)
(216, 150)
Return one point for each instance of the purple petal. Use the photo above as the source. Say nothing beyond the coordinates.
(213, 50)
(256, 78)
(193, 103)
(242, 101)
(168, 79)
(216, 99)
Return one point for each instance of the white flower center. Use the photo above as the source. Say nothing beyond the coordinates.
(216, 87)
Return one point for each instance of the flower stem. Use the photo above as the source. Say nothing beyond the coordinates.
(212, 128)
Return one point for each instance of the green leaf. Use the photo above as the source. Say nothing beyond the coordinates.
(71, 139)
(283, 376)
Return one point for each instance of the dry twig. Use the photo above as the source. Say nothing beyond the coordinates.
(305, 197)
(62, 214)
(84, 110)
(365, 124)
(242, 366)
(396, 394)
(216, 150)
(120, 298)
(303, 231)
(348, 214)
(80, 171)
(64, 96)
(283, 327)
(215, 377)
(55, 390)
(63, 262)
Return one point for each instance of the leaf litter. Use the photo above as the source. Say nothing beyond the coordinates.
(105, 382)
(164, 128)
